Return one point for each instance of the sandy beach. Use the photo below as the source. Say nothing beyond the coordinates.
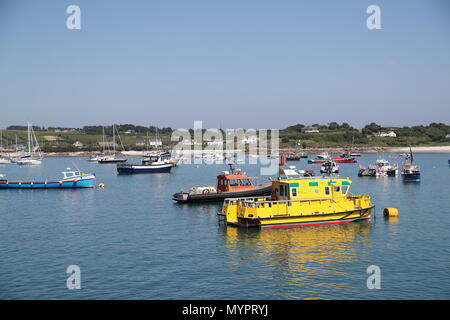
(433, 149)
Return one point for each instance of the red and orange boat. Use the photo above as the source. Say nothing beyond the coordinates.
(230, 184)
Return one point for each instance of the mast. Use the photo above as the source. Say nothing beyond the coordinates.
(103, 138)
(29, 138)
(114, 140)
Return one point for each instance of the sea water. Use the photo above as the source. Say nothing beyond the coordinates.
(130, 240)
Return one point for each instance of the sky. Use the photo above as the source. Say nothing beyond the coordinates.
(231, 64)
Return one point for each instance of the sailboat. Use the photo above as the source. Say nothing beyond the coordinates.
(3, 160)
(112, 158)
(34, 154)
(354, 154)
(97, 157)
(410, 171)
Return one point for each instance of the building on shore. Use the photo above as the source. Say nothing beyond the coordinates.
(390, 134)
(310, 129)
(78, 144)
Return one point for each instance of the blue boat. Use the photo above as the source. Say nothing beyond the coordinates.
(152, 163)
(410, 171)
(70, 180)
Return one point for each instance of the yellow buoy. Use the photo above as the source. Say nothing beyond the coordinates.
(390, 212)
(101, 185)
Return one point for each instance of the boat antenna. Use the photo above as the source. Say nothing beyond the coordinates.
(78, 169)
(410, 154)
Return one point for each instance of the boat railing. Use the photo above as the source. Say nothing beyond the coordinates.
(251, 203)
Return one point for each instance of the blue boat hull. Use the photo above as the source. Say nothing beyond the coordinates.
(71, 184)
(411, 177)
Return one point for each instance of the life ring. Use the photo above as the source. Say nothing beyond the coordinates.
(206, 191)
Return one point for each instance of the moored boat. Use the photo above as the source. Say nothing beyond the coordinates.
(410, 171)
(151, 163)
(337, 160)
(34, 154)
(329, 167)
(291, 156)
(299, 202)
(111, 158)
(70, 180)
(5, 161)
(233, 183)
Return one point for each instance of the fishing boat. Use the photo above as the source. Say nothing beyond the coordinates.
(370, 171)
(384, 168)
(292, 156)
(69, 180)
(410, 171)
(380, 167)
(112, 158)
(337, 160)
(34, 154)
(233, 183)
(299, 202)
(323, 155)
(151, 163)
(329, 167)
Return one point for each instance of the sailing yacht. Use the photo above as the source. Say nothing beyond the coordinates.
(34, 154)
(112, 158)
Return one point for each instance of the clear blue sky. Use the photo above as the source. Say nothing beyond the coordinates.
(231, 63)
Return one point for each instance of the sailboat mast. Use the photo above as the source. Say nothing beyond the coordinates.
(29, 139)
(114, 139)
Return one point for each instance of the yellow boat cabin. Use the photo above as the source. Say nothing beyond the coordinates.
(298, 202)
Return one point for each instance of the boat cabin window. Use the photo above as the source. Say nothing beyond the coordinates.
(327, 191)
(223, 182)
(294, 192)
(337, 189)
(234, 182)
(344, 189)
(245, 182)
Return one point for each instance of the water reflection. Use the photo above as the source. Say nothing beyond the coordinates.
(305, 257)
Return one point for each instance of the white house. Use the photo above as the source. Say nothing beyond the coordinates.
(310, 130)
(155, 143)
(390, 134)
(78, 144)
(140, 142)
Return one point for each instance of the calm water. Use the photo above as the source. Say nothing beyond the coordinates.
(132, 241)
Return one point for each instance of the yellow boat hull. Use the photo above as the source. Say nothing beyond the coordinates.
(300, 221)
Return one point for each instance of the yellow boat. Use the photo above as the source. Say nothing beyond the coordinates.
(308, 201)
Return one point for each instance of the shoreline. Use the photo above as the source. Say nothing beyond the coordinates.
(431, 149)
